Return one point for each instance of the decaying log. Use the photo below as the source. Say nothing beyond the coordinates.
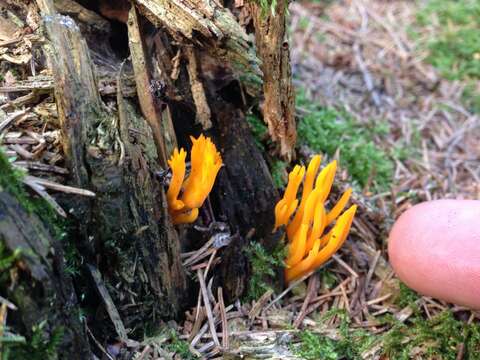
(244, 194)
(274, 52)
(43, 291)
(125, 232)
(208, 26)
(198, 92)
(151, 229)
(87, 18)
(44, 83)
(148, 103)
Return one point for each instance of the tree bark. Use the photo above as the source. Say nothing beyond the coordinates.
(274, 52)
(125, 232)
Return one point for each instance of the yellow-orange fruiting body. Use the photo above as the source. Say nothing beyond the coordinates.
(296, 250)
(177, 166)
(337, 237)
(205, 164)
(339, 206)
(305, 265)
(288, 204)
(309, 247)
(319, 223)
(307, 189)
(186, 217)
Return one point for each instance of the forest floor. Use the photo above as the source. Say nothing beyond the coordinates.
(402, 99)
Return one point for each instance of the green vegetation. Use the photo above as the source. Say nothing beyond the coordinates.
(264, 268)
(279, 173)
(259, 130)
(326, 130)
(350, 345)
(454, 49)
(179, 348)
(406, 296)
(439, 338)
(10, 180)
(471, 97)
(42, 343)
(268, 6)
(40, 346)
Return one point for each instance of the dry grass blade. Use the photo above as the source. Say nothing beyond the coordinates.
(40, 190)
(58, 187)
(223, 317)
(311, 292)
(12, 117)
(208, 307)
(8, 303)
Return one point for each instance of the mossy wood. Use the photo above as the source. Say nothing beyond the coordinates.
(129, 249)
(42, 290)
(244, 194)
(124, 231)
(207, 26)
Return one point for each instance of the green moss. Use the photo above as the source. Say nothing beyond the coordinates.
(7, 261)
(264, 268)
(42, 344)
(259, 130)
(11, 181)
(268, 6)
(279, 173)
(39, 346)
(326, 130)
(350, 345)
(454, 49)
(406, 296)
(454, 54)
(436, 338)
(439, 337)
(179, 347)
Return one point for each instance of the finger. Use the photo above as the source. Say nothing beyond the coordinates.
(434, 248)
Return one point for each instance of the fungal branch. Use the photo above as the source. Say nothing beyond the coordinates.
(185, 197)
(309, 245)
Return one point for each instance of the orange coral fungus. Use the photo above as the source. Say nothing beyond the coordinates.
(177, 165)
(205, 165)
(308, 249)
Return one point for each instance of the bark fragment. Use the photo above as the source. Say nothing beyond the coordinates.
(274, 52)
(208, 26)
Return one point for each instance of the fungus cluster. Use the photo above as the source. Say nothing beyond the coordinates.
(309, 247)
(186, 197)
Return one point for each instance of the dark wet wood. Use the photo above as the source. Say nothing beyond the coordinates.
(43, 291)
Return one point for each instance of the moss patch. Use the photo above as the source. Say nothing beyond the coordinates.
(439, 337)
(39, 346)
(326, 130)
(350, 344)
(264, 268)
(454, 47)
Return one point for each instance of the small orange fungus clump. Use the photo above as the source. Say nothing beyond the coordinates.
(205, 163)
(309, 247)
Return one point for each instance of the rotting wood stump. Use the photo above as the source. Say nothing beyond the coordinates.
(182, 78)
